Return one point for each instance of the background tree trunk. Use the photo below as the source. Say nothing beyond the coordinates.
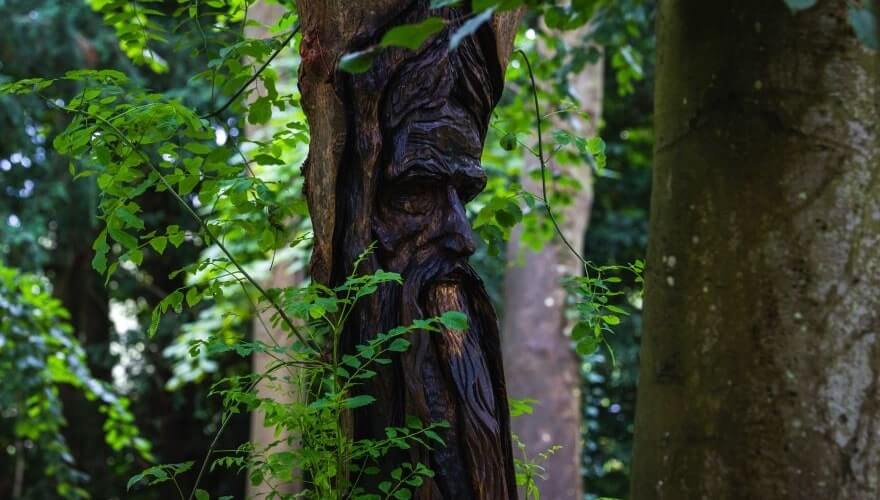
(534, 328)
(280, 276)
(760, 368)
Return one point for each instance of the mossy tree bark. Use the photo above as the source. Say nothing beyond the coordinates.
(760, 368)
(534, 327)
(393, 159)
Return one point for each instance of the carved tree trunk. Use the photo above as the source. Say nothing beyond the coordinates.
(760, 367)
(394, 156)
(534, 326)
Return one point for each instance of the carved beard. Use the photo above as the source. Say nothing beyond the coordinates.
(450, 378)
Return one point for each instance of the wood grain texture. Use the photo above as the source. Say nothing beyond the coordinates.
(395, 156)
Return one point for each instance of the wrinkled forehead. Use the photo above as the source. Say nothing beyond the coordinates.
(438, 142)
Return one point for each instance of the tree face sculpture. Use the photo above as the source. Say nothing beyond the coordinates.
(394, 159)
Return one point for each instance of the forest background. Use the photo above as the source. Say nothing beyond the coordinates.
(97, 387)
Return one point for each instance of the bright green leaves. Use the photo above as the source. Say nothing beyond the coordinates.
(402, 479)
(597, 315)
(521, 406)
(38, 356)
(159, 243)
(412, 36)
(159, 474)
(333, 383)
(508, 142)
(136, 29)
(495, 221)
(260, 111)
(454, 320)
(576, 149)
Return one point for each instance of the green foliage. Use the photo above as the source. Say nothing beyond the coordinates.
(38, 356)
(597, 314)
(327, 459)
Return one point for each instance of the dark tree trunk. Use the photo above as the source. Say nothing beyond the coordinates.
(394, 156)
(760, 367)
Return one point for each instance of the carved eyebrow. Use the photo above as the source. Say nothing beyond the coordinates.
(464, 167)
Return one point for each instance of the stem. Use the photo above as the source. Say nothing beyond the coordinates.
(227, 416)
(544, 162)
(256, 75)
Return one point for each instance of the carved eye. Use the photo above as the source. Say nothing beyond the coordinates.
(414, 199)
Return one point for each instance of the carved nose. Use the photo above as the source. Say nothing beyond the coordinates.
(458, 238)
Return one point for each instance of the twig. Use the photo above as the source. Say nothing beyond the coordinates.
(544, 163)
(256, 75)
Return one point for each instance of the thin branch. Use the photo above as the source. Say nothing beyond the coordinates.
(256, 75)
(544, 162)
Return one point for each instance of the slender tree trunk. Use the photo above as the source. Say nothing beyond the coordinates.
(394, 156)
(535, 327)
(760, 368)
(280, 276)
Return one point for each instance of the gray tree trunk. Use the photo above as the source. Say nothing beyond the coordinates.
(760, 368)
(535, 329)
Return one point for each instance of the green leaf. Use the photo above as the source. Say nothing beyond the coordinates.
(176, 237)
(412, 36)
(123, 238)
(796, 5)
(187, 184)
(587, 346)
(508, 142)
(358, 62)
(436, 4)
(129, 218)
(264, 159)
(159, 243)
(580, 331)
(399, 345)
(864, 23)
(260, 111)
(611, 319)
(470, 27)
(454, 320)
(202, 495)
(358, 401)
(402, 494)
(193, 296)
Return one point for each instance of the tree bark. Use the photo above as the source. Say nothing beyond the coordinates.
(534, 324)
(760, 367)
(394, 156)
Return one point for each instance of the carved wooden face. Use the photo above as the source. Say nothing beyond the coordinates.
(434, 171)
